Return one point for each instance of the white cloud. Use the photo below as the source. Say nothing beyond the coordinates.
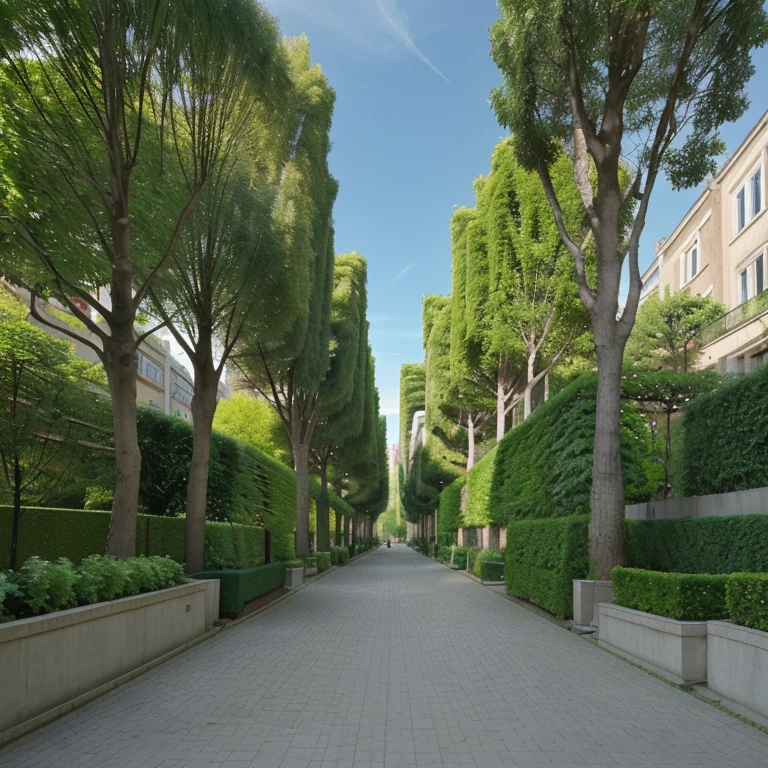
(370, 27)
(402, 273)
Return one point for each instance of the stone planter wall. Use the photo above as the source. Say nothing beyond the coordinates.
(47, 661)
(586, 595)
(737, 665)
(675, 649)
(294, 577)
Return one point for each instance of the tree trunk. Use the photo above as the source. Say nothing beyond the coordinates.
(120, 367)
(352, 536)
(546, 387)
(606, 537)
(301, 464)
(668, 454)
(16, 512)
(340, 530)
(531, 375)
(323, 511)
(501, 403)
(203, 410)
(470, 442)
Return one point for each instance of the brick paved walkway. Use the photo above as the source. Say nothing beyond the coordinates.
(393, 661)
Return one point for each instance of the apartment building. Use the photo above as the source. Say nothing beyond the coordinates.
(719, 249)
(162, 382)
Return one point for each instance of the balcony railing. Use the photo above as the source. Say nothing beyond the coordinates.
(733, 319)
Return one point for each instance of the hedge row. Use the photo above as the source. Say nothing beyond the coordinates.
(680, 596)
(240, 587)
(449, 512)
(699, 545)
(77, 534)
(725, 443)
(740, 597)
(543, 559)
(477, 513)
(543, 467)
(483, 556)
(746, 596)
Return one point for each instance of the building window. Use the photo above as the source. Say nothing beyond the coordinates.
(150, 369)
(752, 278)
(759, 275)
(694, 260)
(744, 287)
(741, 210)
(756, 193)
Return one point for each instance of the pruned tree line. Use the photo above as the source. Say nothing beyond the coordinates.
(165, 165)
(600, 98)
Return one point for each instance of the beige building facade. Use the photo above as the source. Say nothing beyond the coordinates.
(719, 250)
(162, 382)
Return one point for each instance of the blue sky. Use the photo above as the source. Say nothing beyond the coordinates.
(412, 128)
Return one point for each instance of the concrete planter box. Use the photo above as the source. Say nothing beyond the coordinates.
(310, 571)
(586, 595)
(675, 649)
(47, 661)
(294, 577)
(737, 665)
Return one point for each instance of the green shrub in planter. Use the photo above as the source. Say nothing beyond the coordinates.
(240, 587)
(101, 578)
(492, 570)
(472, 553)
(323, 560)
(459, 559)
(485, 554)
(746, 598)
(339, 555)
(45, 586)
(295, 563)
(680, 596)
(444, 554)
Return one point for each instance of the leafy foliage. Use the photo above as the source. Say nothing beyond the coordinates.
(449, 512)
(491, 555)
(725, 444)
(746, 597)
(479, 481)
(412, 399)
(239, 587)
(543, 467)
(680, 596)
(543, 559)
(40, 586)
(699, 545)
(664, 334)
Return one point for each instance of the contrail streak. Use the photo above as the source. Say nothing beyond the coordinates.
(407, 41)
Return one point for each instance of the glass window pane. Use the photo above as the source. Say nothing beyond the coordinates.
(740, 210)
(744, 294)
(759, 278)
(694, 261)
(756, 194)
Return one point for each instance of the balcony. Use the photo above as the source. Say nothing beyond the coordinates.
(745, 312)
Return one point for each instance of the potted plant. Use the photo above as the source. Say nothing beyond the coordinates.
(294, 573)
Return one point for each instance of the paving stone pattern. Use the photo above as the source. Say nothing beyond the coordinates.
(393, 661)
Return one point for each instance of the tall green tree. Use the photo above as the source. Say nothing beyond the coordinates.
(225, 268)
(664, 334)
(342, 398)
(288, 370)
(609, 79)
(86, 93)
(48, 417)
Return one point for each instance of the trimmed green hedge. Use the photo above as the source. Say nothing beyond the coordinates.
(746, 597)
(543, 467)
(699, 545)
(482, 556)
(491, 571)
(323, 560)
(339, 555)
(725, 443)
(680, 596)
(240, 587)
(543, 559)
(479, 481)
(76, 534)
(449, 512)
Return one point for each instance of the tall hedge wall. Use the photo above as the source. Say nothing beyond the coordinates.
(703, 545)
(479, 482)
(544, 466)
(413, 378)
(76, 534)
(543, 558)
(725, 443)
(449, 513)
